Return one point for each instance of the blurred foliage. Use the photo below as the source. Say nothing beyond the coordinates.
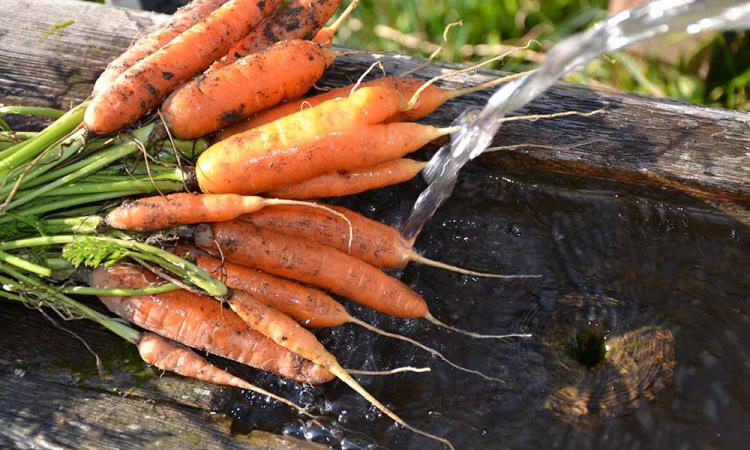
(709, 69)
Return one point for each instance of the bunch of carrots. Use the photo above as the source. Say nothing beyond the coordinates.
(226, 254)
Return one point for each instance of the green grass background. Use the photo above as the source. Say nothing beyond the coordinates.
(712, 70)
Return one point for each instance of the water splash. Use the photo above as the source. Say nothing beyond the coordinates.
(478, 127)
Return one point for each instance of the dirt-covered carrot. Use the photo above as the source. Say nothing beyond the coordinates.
(308, 306)
(200, 323)
(166, 211)
(427, 102)
(289, 334)
(349, 182)
(371, 241)
(299, 19)
(227, 95)
(183, 18)
(313, 263)
(299, 259)
(173, 357)
(144, 85)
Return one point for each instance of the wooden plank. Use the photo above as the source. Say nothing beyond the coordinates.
(640, 140)
(52, 397)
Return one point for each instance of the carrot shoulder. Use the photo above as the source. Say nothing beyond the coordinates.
(143, 86)
(201, 323)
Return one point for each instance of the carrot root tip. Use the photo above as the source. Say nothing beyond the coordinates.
(419, 259)
(437, 322)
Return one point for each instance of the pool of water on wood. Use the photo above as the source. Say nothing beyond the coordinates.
(638, 322)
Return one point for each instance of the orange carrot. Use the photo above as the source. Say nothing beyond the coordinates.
(143, 86)
(161, 212)
(290, 335)
(231, 93)
(308, 306)
(247, 164)
(289, 138)
(309, 262)
(183, 19)
(173, 357)
(428, 101)
(349, 182)
(371, 241)
(299, 19)
(200, 323)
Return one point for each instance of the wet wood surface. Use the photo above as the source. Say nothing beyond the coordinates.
(50, 54)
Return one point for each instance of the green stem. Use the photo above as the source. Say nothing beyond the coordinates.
(32, 111)
(173, 263)
(54, 203)
(119, 292)
(97, 154)
(106, 157)
(47, 295)
(10, 296)
(24, 264)
(9, 139)
(84, 224)
(141, 186)
(58, 154)
(53, 133)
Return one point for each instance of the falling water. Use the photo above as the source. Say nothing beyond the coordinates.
(478, 127)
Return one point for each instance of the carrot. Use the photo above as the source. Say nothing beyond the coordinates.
(308, 306)
(375, 243)
(183, 19)
(250, 163)
(173, 357)
(298, 259)
(348, 182)
(144, 85)
(290, 335)
(366, 106)
(430, 99)
(161, 212)
(228, 93)
(312, 263)
(299, 19)
(231, 93)
(200, 323)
